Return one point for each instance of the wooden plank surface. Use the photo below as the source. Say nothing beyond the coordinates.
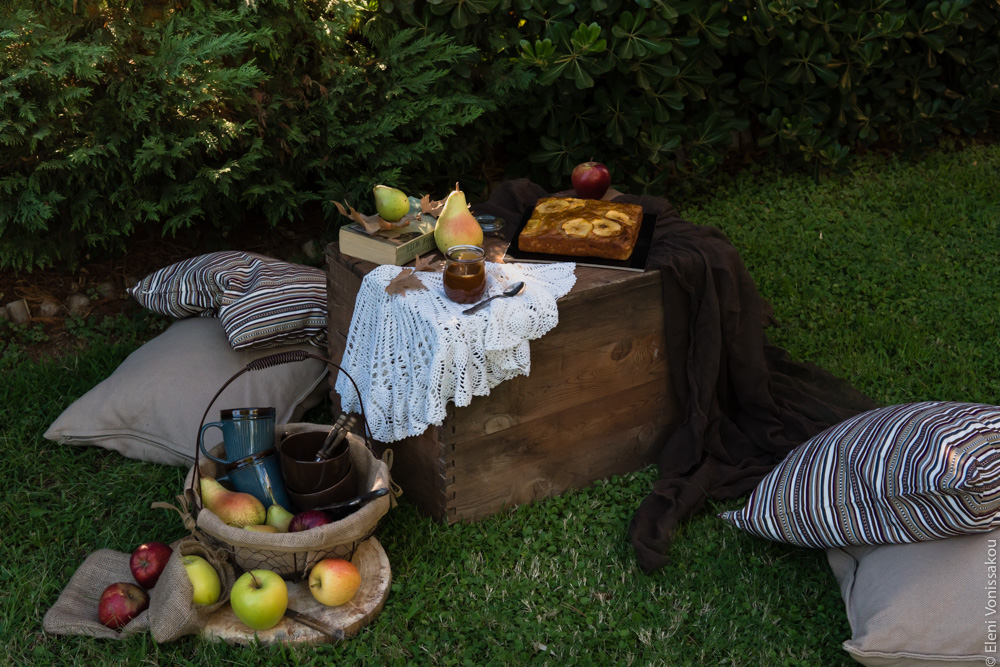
(342, 287)
(587, 277)
(569, 449)
(420, 468)
(602, 345)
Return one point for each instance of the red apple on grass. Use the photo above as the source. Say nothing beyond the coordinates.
(590, 180)
(120, 603)
(148, 562)
(308, 520)
(334, 581)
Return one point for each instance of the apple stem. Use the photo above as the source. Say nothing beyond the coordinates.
(256, 583)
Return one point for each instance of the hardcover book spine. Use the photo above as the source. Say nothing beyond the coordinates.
(420, 246)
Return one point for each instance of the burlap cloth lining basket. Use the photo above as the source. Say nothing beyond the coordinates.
(292, 555)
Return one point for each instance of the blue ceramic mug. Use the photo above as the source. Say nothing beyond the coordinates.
(245, 432)
(251, 461)
(261, 478)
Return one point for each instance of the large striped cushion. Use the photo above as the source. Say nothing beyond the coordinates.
(262, 302)
(899, 474)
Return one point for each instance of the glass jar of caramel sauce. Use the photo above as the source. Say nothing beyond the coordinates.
(465, 273)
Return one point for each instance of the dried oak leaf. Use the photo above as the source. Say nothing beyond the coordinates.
(429, 207)
(422, 264)
(406, 280)
(372, 223)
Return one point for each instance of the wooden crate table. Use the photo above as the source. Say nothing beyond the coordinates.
(596, 403)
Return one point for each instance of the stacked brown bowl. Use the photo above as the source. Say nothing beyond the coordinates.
(311, 483)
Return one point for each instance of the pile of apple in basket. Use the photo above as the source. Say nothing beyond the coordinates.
(311, 471)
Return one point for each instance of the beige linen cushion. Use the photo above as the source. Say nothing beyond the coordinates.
(922, 604)
(150, 407)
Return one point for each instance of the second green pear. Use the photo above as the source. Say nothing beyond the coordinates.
(278, 517)
(391, 203)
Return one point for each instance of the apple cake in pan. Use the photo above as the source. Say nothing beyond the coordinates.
(581, 228)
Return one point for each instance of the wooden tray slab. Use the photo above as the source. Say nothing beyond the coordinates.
(367, 603)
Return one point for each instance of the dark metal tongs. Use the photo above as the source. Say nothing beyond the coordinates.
(340, 429)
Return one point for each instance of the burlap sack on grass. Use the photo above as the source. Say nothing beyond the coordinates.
(75, 612)
(292, 555)
(172, 613)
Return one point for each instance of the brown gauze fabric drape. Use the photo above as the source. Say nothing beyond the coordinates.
(745, 404)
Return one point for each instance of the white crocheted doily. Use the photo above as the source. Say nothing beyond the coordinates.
(410, 354)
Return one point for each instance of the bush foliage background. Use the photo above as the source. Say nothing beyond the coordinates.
(667, 91)
(119, 114)
(115, 115)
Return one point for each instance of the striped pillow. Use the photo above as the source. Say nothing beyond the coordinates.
(899, 474)
(262, 302)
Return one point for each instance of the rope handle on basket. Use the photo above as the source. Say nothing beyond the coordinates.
(262, 363)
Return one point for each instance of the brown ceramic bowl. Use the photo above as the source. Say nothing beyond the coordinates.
(345, 489)
(301, 472)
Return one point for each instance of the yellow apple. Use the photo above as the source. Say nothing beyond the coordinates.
(259, 599)
(334, 581)
(204, 579)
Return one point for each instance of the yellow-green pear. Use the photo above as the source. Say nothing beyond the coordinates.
(456, 224)
(262, 528)
(391, 203)
(279, 517)
(232, 507)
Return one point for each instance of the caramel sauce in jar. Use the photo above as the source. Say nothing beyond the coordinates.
(465, 273)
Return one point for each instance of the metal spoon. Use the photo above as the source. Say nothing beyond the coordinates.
(513, 290)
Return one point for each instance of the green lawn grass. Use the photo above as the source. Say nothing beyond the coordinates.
(886, 276)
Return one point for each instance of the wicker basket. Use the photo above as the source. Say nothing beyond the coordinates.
(291, 555)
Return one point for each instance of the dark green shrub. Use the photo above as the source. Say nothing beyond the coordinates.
(662, 89)
(118, 115)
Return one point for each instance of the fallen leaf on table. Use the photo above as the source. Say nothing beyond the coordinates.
(372, 223)
(429, 207)
(421, 264)
(406, 280)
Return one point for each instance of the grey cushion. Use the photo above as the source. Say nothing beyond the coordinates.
(927, 603)
(150, 407)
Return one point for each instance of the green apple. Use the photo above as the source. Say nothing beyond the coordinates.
(204, 579)
(259, 598)
(334, 581)
(278, 517)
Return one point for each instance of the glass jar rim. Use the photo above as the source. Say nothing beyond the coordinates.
(478, 251)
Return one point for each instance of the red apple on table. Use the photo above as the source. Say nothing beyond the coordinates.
(308, 520)
(590, 180)
(148, 562)
(334, 581)
(120, 603)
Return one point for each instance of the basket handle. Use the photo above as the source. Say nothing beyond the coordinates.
(259, 364)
